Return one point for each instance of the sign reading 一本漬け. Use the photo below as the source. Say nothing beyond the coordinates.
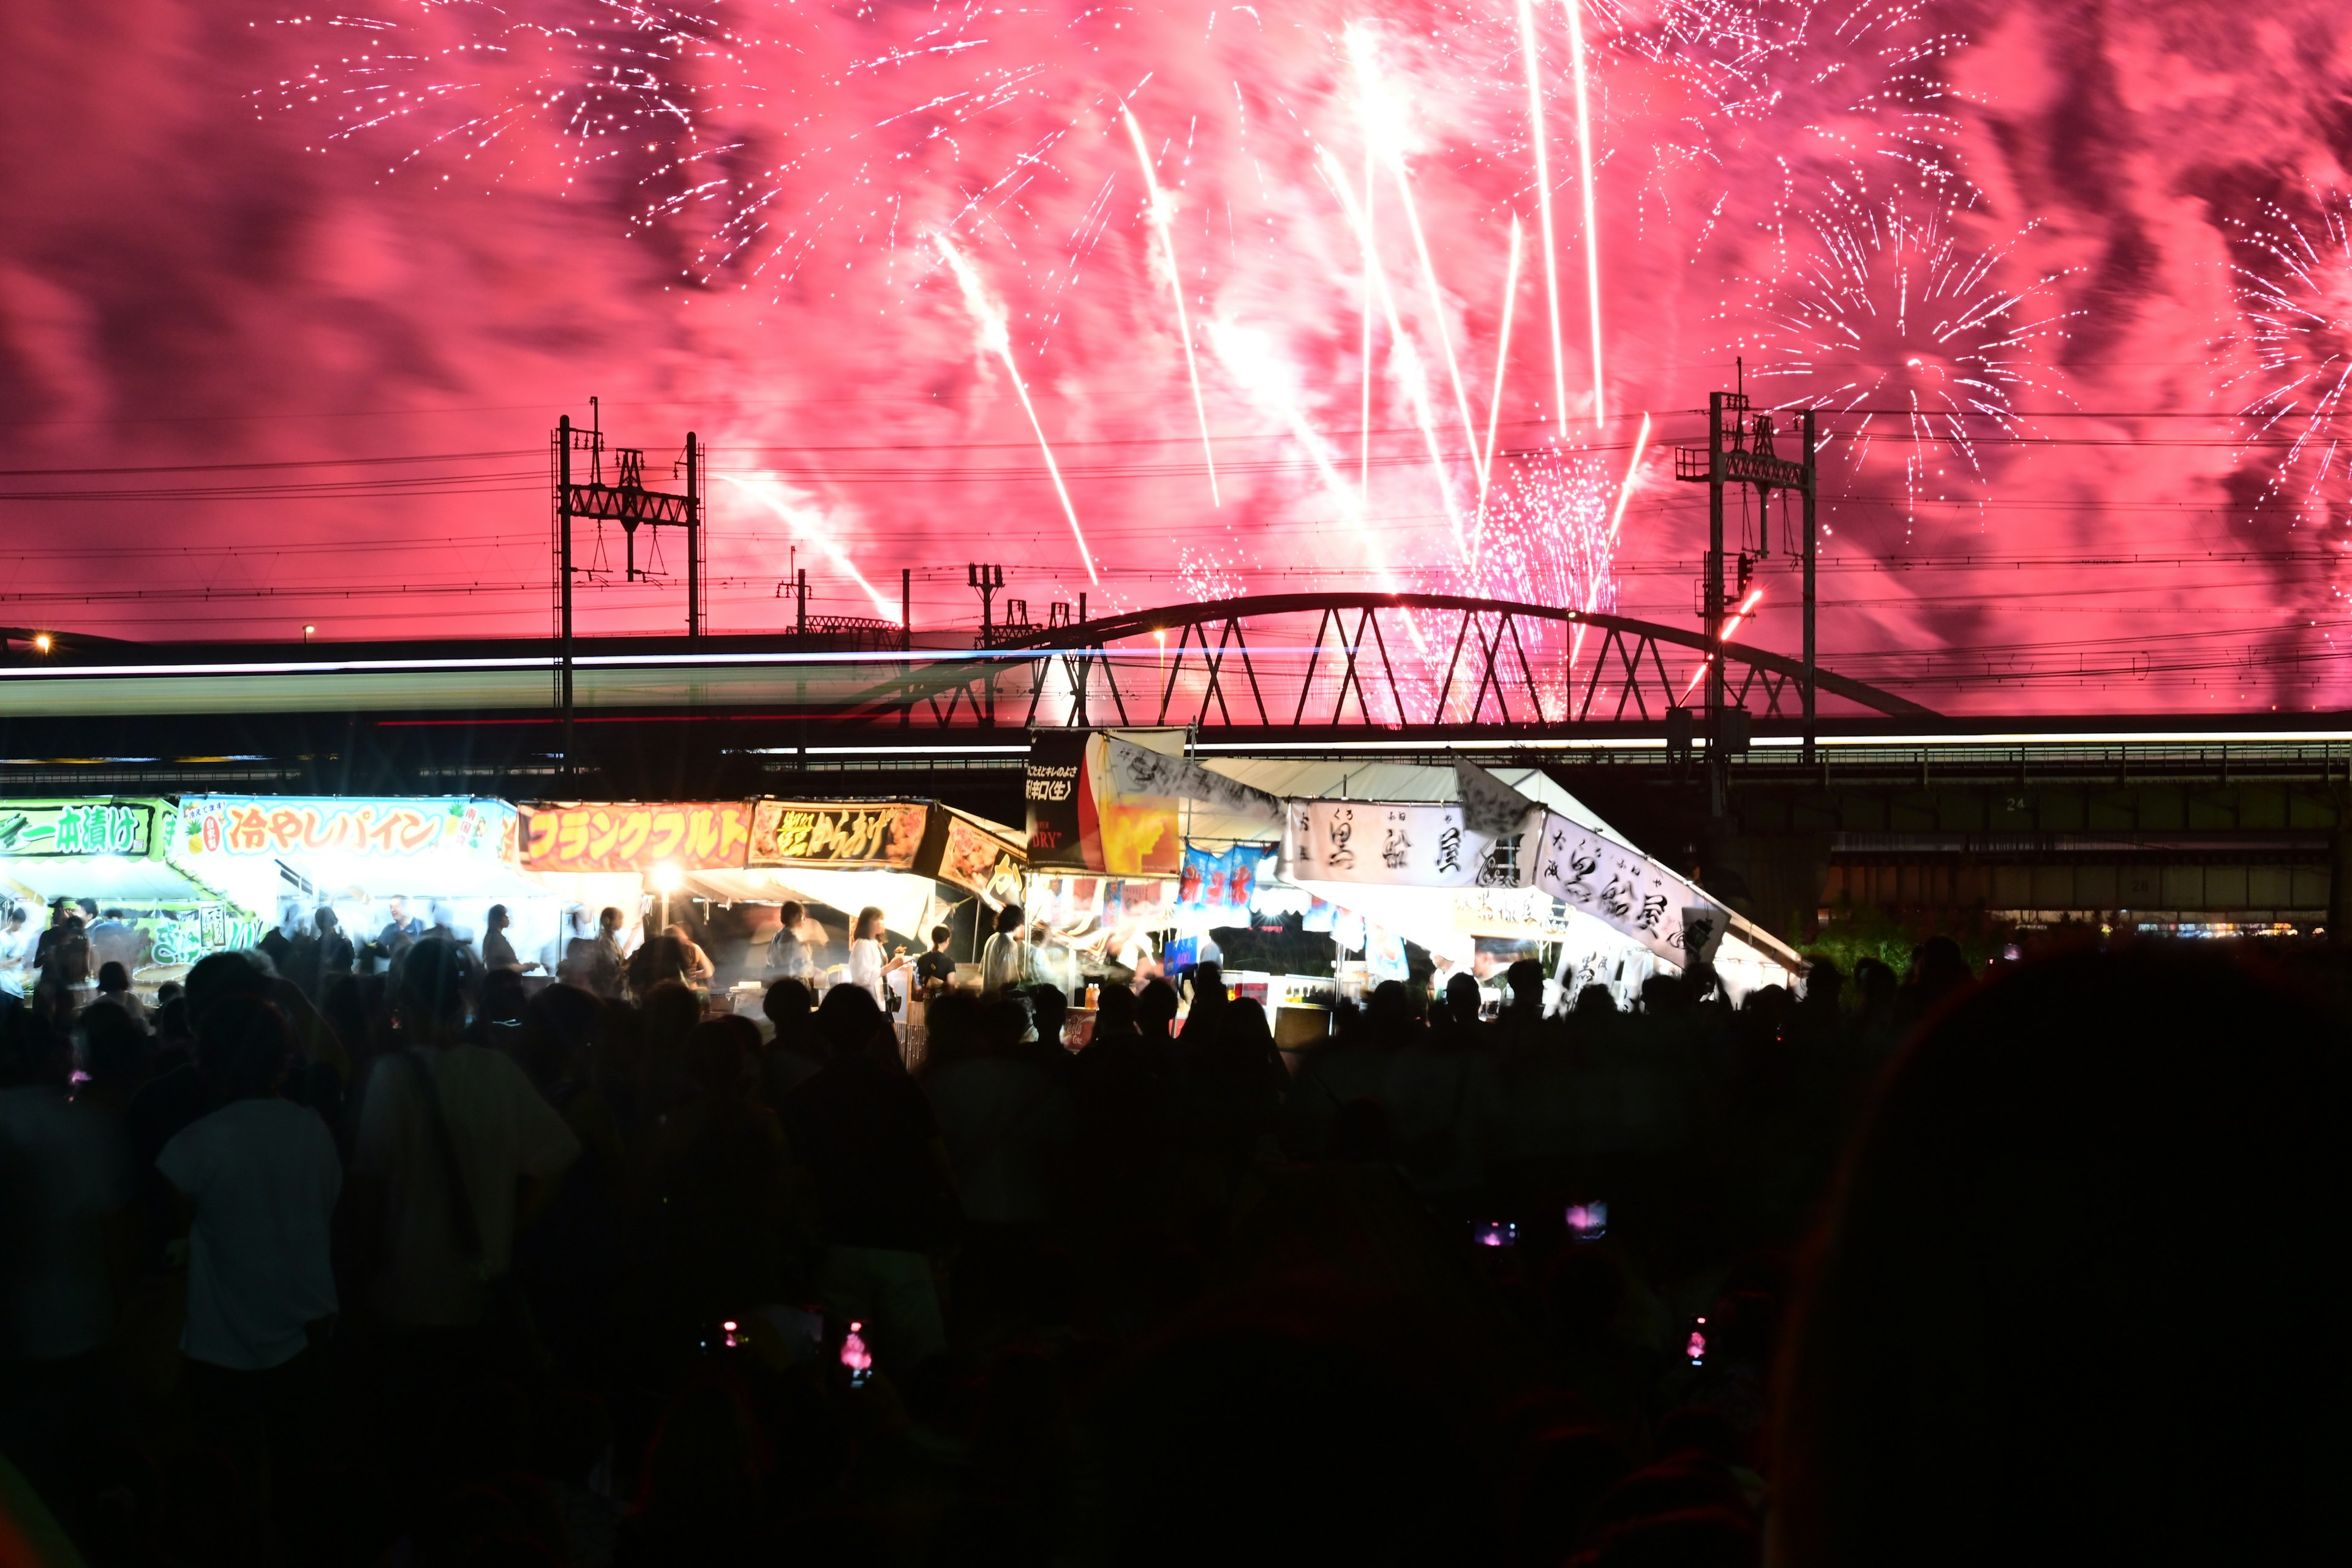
(77, 827)
(694, 835)
(799, 833)
(239, 826)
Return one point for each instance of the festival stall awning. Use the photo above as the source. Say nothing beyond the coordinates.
(593, 837)
(120, 852)
(261, 847)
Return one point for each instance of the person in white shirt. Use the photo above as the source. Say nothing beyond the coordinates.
(866, 964)
(1005, 962)
(258, 1180)
(438, 1264)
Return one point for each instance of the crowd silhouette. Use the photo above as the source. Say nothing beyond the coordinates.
(414, 1267)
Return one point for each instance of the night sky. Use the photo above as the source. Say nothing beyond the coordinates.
(290, 300)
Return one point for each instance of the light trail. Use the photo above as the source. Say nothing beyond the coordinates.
(995, 338)
(1380, 114)
(1529, 58)
(1416, 384)
(811, 530)
(1249, 360)
(1730, 628)
(1159, 204)
(1609, 547)
(1575, 9)
(1364, 425)
(1502, 360)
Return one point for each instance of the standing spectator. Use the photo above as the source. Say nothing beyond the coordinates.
(17, 939)
(335, 955)
(448, 1134)
(868, 967)
(863, 1131)
(258, 1178)
(696, 967)
(788, 955)
(498, 951)
(400, 928)
(115, 940)
(114, 990)
(1005, 962)
(66, 1195)
(935, 971)
(65, 970)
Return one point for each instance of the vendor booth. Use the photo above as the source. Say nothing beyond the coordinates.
(156, 911)
(1473, 867)
(399, 865)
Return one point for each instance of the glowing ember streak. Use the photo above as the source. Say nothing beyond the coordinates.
(1609, 546)
(1160, 207)
(1730, 625)
(1416, 384)
(1380, 115)
(997, 340)
(1543, 196)
(1502, 360)
(1364, 425)
(1575, 9)
(808, 524)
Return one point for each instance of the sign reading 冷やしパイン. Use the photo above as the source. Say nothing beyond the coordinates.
(242, 825)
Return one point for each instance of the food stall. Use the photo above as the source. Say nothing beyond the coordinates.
(632, 856)
(437, 862)
(119, 852)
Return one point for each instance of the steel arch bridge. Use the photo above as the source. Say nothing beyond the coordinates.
(1289, 661)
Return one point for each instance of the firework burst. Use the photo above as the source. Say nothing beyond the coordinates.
(2296, 296)
(1921, 339)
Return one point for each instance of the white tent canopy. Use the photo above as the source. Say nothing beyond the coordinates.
(1293, 778)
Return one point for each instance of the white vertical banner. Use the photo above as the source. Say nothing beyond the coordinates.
(1628, 891)
(1393, 844)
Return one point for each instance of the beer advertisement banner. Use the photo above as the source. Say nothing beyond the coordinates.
(885, 836)
(1627, 891)
(694, 835)
(1064, 832)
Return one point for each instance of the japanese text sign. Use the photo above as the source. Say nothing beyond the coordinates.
(796, 833)
(1627, 891)
(77, 827)
(694, 835)
(238, 825)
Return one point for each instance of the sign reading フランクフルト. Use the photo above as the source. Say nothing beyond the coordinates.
(77, 827)
(694, 836)
(836, 836)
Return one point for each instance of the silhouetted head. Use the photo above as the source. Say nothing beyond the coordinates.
(1462, 999)
(217, 976)
(245, 1045)
(430, 996)
(1526, 977)
(1008, 920)
(785, 1004)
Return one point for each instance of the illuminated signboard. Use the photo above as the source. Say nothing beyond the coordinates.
(965, 855)
(696, 835)
(281, 826)
(77, 827)
(799, 833)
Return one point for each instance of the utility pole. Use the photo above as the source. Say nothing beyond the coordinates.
(1739, 451)
(628, 502)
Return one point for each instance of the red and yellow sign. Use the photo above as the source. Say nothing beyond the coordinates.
(815, 834)
(694, 835)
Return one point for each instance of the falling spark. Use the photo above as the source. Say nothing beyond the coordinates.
(1543, 197)
(997, 340)
(1251, 361)
(1730, 627)
(1575, 9)
(808, 524)
(1159, 206)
